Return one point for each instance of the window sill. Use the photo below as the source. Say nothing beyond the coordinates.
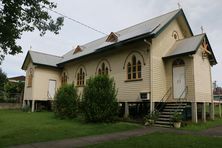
(132, 80)
(80, 86)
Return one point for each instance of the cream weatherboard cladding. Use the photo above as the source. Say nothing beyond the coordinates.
(127, 91)
(41, 77)
(28, 91)
(160, 46)
(41, 80)
(154, 44)
(189, 80)
(202, 77)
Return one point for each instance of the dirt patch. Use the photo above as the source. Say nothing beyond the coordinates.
(215, 131)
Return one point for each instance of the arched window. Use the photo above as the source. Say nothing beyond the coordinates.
(30, 76)
(64, 78)
(134, 69)
(81, 77)
(99, 71)
(103, 69)
(139, 69)
(178, 62)
(129, 71)
(107, 71)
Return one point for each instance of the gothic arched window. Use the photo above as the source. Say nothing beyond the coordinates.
(178, 62)
(103, 69)
(81, 77)
(64, 78)
(134, 69)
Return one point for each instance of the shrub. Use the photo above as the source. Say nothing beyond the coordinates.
(65, 104)
(99, 99)
(151, 118)
(26, 108)
(177, 117)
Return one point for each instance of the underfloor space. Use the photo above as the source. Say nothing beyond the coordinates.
(134, 110)
(38, 105)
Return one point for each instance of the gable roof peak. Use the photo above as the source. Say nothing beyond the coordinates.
(112, 37)
(78, 49)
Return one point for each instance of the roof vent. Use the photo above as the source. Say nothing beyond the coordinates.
(77, 49)
(112, 37)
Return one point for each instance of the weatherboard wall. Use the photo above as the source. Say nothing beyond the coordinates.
(202, 74)
(117, 58)
(160, 46)
(189, 77)
(41, 81)
(29, 90)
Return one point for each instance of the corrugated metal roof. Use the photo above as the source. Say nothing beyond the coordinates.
(186, 45)
(151, 26)
(44, 59)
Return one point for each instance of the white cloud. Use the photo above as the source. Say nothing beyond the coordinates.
(114, 15)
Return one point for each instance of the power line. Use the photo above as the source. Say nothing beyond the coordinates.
(76, 21)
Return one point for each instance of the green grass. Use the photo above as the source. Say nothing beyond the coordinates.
(202, 126)
(164, 140)
(18, 127)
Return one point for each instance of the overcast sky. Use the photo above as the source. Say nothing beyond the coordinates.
(114, 15)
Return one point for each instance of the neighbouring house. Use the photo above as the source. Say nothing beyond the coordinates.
(159, 62)
(14, 88)
(217, 92)
(17, 79)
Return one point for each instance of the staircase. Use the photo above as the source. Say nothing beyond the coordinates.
(165, 116)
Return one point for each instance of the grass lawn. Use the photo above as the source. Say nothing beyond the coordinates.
(202, 126)
(165, 140)
(18, 127)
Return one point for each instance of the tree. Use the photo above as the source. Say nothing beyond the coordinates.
(12, 89)
(3, 79)
(18, 16)
(99, 99)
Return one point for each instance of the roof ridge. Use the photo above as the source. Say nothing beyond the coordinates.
(45, 53)
(124, 29)
(150, 19)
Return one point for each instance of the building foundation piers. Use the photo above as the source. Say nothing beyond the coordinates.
(194, 112)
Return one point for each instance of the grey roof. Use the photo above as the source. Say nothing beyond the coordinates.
(148, 28)
(151, 26)
(187, 45)
(44, 59)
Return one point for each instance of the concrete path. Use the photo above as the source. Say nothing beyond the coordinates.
(83, 141)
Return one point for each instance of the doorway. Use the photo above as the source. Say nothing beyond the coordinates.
(52, 89)
(179, 79)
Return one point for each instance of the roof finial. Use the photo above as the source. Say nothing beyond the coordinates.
(202, 29)
(179, 5)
